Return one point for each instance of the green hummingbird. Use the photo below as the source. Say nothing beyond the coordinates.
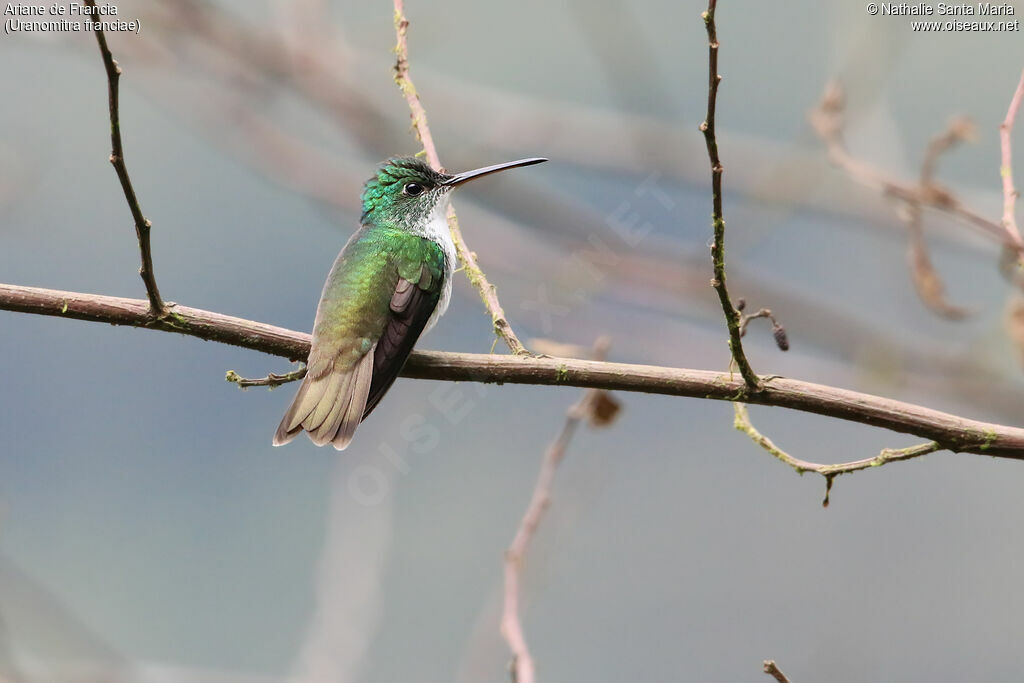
(390, 284)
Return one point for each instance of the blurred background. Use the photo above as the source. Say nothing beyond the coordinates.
(149, 531)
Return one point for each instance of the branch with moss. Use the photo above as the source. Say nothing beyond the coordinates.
(951, 432)
(732, 316)
(742, 423)
(488, 292)
(142, 224)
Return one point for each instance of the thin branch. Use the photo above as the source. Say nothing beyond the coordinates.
(772, 670)
(1006, 169)
(488, 292)
(827, 120)
(778, 330)
(142, 224)
(511, 628)
(927, 280)
(742, 423)
(950, 431)
(271, 380)
(732, 316)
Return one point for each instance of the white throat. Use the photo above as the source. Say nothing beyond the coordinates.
(436, 230)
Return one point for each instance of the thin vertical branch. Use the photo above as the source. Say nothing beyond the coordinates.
(142, 225)
(600, 408)
(488, 292)
(1006, 168)
(732, 316)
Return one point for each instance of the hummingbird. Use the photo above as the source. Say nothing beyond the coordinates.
(390, 284)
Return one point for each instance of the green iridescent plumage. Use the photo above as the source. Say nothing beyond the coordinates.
(354, 307)
(384, 202)
(387, 286)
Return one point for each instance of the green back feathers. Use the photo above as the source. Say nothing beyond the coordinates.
(356, 297)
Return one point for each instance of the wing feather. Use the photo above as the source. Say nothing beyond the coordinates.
(411, 308)
(348, 374)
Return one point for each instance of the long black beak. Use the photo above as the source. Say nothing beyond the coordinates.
(460, 178)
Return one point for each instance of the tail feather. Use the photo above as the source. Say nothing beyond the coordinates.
(358, 393)
(323, 433)
(336, 383)
(329, 404)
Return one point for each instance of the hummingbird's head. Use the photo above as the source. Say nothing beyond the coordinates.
(404, 191)
(407, 192)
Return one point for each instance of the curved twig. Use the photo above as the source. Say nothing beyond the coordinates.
(742, 423)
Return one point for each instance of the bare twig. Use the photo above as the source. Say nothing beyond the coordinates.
(772, 670)
(927, 280)
(142, 224)
(732, 316)
(827, 120)
(742, 423)
(271, 380)
(1006, 169)
(952, 432)
(511, 627)
(488, 292)
(778, 330)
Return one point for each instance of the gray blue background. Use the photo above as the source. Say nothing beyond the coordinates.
(149, 532)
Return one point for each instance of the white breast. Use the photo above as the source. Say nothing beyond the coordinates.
(436, 230)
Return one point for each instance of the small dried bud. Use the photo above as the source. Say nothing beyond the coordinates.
(741, 303)
(781, 340)
(604, 409)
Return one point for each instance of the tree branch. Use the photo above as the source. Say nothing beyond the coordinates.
(488, 292)
(773, 670)
(827, 120)
(588, 405)
(1006, 169)
(732, 316)
(142, 224)
(742, 423)
(953, 433)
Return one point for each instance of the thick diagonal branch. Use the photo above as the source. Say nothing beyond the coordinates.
(488, 292)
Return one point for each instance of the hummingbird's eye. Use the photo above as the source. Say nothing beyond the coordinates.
(413, 189)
